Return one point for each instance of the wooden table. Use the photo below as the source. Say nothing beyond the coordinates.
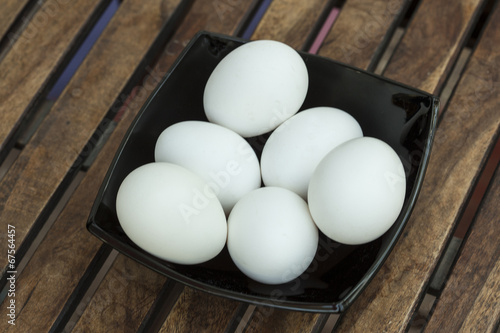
(56, 146)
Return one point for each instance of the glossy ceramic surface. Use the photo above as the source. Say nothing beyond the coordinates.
(403, 117)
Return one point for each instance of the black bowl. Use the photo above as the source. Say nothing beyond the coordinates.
(402, 116)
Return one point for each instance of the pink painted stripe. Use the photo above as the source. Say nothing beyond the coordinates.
(324, 30)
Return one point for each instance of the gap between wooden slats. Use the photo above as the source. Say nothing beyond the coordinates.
(13, 16)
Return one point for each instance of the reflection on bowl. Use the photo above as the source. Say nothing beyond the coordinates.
(402, 116)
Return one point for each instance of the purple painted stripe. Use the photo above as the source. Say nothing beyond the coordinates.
(256, 19)
(324, 30)
(84, 49)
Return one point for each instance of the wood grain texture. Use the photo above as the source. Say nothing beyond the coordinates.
(118, 306)
(362, 25)
(10, 10)
(267, 320)
(470, 301)
(219, 16)
(197, 311)
(290, 21)
(465, 135)
(36, 55)
(62, 138)
(439, 33)
(95, 321)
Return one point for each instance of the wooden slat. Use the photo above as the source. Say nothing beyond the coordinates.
(433, 41)
(194, 21)
(218, 17)
(118, 306)
(470, 301)
(465, 134)
(362, 29)
(10, 10)
(268, 319)
(197, 311)
(37, 55)
(33, 182)
(290, 21)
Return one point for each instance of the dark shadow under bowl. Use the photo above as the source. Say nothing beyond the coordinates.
(403, 117)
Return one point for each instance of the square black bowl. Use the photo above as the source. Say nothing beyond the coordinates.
(402, 116)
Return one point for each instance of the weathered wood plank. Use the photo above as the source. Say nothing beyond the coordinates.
(118, 306)
(433, 42)
(35, 178)
(464, 136)
(10, 10)
(267, 319)
(362, 30)
(197, 311)
(57, 265)
(38, 54)
(217, 16)
(194, 21)
(290, 21)
(470, 300)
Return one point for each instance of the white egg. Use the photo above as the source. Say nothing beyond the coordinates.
(295, 148)
(256, 87)
(171, 213)
(220, 156)
(271, 236)
(357, 191)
